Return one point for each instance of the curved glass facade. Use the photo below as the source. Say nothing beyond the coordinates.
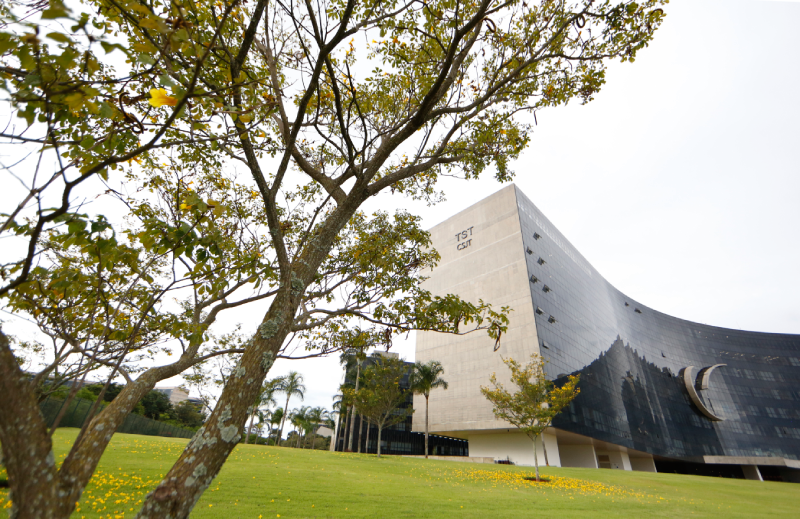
(632, 361)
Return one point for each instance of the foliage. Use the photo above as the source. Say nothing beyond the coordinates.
(275, 419)
(291, 385)
(155, 404)
(111, 391)
(424, 378)
(265, 400)
(86, 394)
(535, 403)
(319, 118)
(380, 397)
(186, 414)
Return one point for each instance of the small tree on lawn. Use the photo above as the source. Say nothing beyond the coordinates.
(425, 378)
(266, 399)
(316, 416)
(535, 404)
(379, 398)
(275, 419)
(292, 385)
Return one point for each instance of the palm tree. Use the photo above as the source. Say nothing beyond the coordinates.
(291, 384)
(266, 398)
(424, 378)
(345, 410)
(316, 416)
(350, 355)
(263, 418)
(275, 419)
(299, 418)
(339, 411)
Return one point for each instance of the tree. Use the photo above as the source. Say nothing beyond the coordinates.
(316, 416)
(276, 418)
(187, 414)
(299, 419)
(265, 399)
(155, 404)
(292, 385)
(445, 92)
(355, 352)
(110, 393)
(535, 403)
(339, 416)
(380, 397)
(425, 378)
(100, 299)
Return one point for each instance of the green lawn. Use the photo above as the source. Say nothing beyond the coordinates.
(268, 482)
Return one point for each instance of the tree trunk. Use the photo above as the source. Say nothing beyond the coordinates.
(426, 426)
(544, 449)
(313, 441)
(348, 430)
(361, 433)
(366, 440)
(353, 411)
(336, 432)
(27, 448)
(380, 429)
(283, 418)
(205, 454)
(81, 462)
(250, 428)
(536, 459)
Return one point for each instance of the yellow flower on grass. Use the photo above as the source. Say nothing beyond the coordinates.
(159, 97)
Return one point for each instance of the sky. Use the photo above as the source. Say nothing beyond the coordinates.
(679, 183)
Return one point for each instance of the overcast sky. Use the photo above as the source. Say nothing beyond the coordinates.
(679, 182)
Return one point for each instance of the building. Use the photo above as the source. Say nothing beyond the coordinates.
(177, 395)
(398, 438)
(657, 392)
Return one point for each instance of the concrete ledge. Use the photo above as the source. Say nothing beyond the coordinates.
(773, 461)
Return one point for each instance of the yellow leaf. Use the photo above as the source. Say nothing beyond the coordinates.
(159, 97)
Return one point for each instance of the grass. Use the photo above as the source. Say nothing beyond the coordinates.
(264, 482)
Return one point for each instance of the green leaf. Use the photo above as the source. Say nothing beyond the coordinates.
(7, 42)
(55, 12)
(110, 47)
(59, 37)
(165, 80)
(87, 142)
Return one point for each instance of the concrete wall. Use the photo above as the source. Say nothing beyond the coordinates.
(485, 262)
(582, 456)
(618, 459)
(643, 464)
(752, 472)
(514, 446)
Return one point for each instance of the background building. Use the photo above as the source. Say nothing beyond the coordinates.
(398, 438)
(177, 395)
(656, 391)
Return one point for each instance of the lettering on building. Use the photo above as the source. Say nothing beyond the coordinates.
(463, 238)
